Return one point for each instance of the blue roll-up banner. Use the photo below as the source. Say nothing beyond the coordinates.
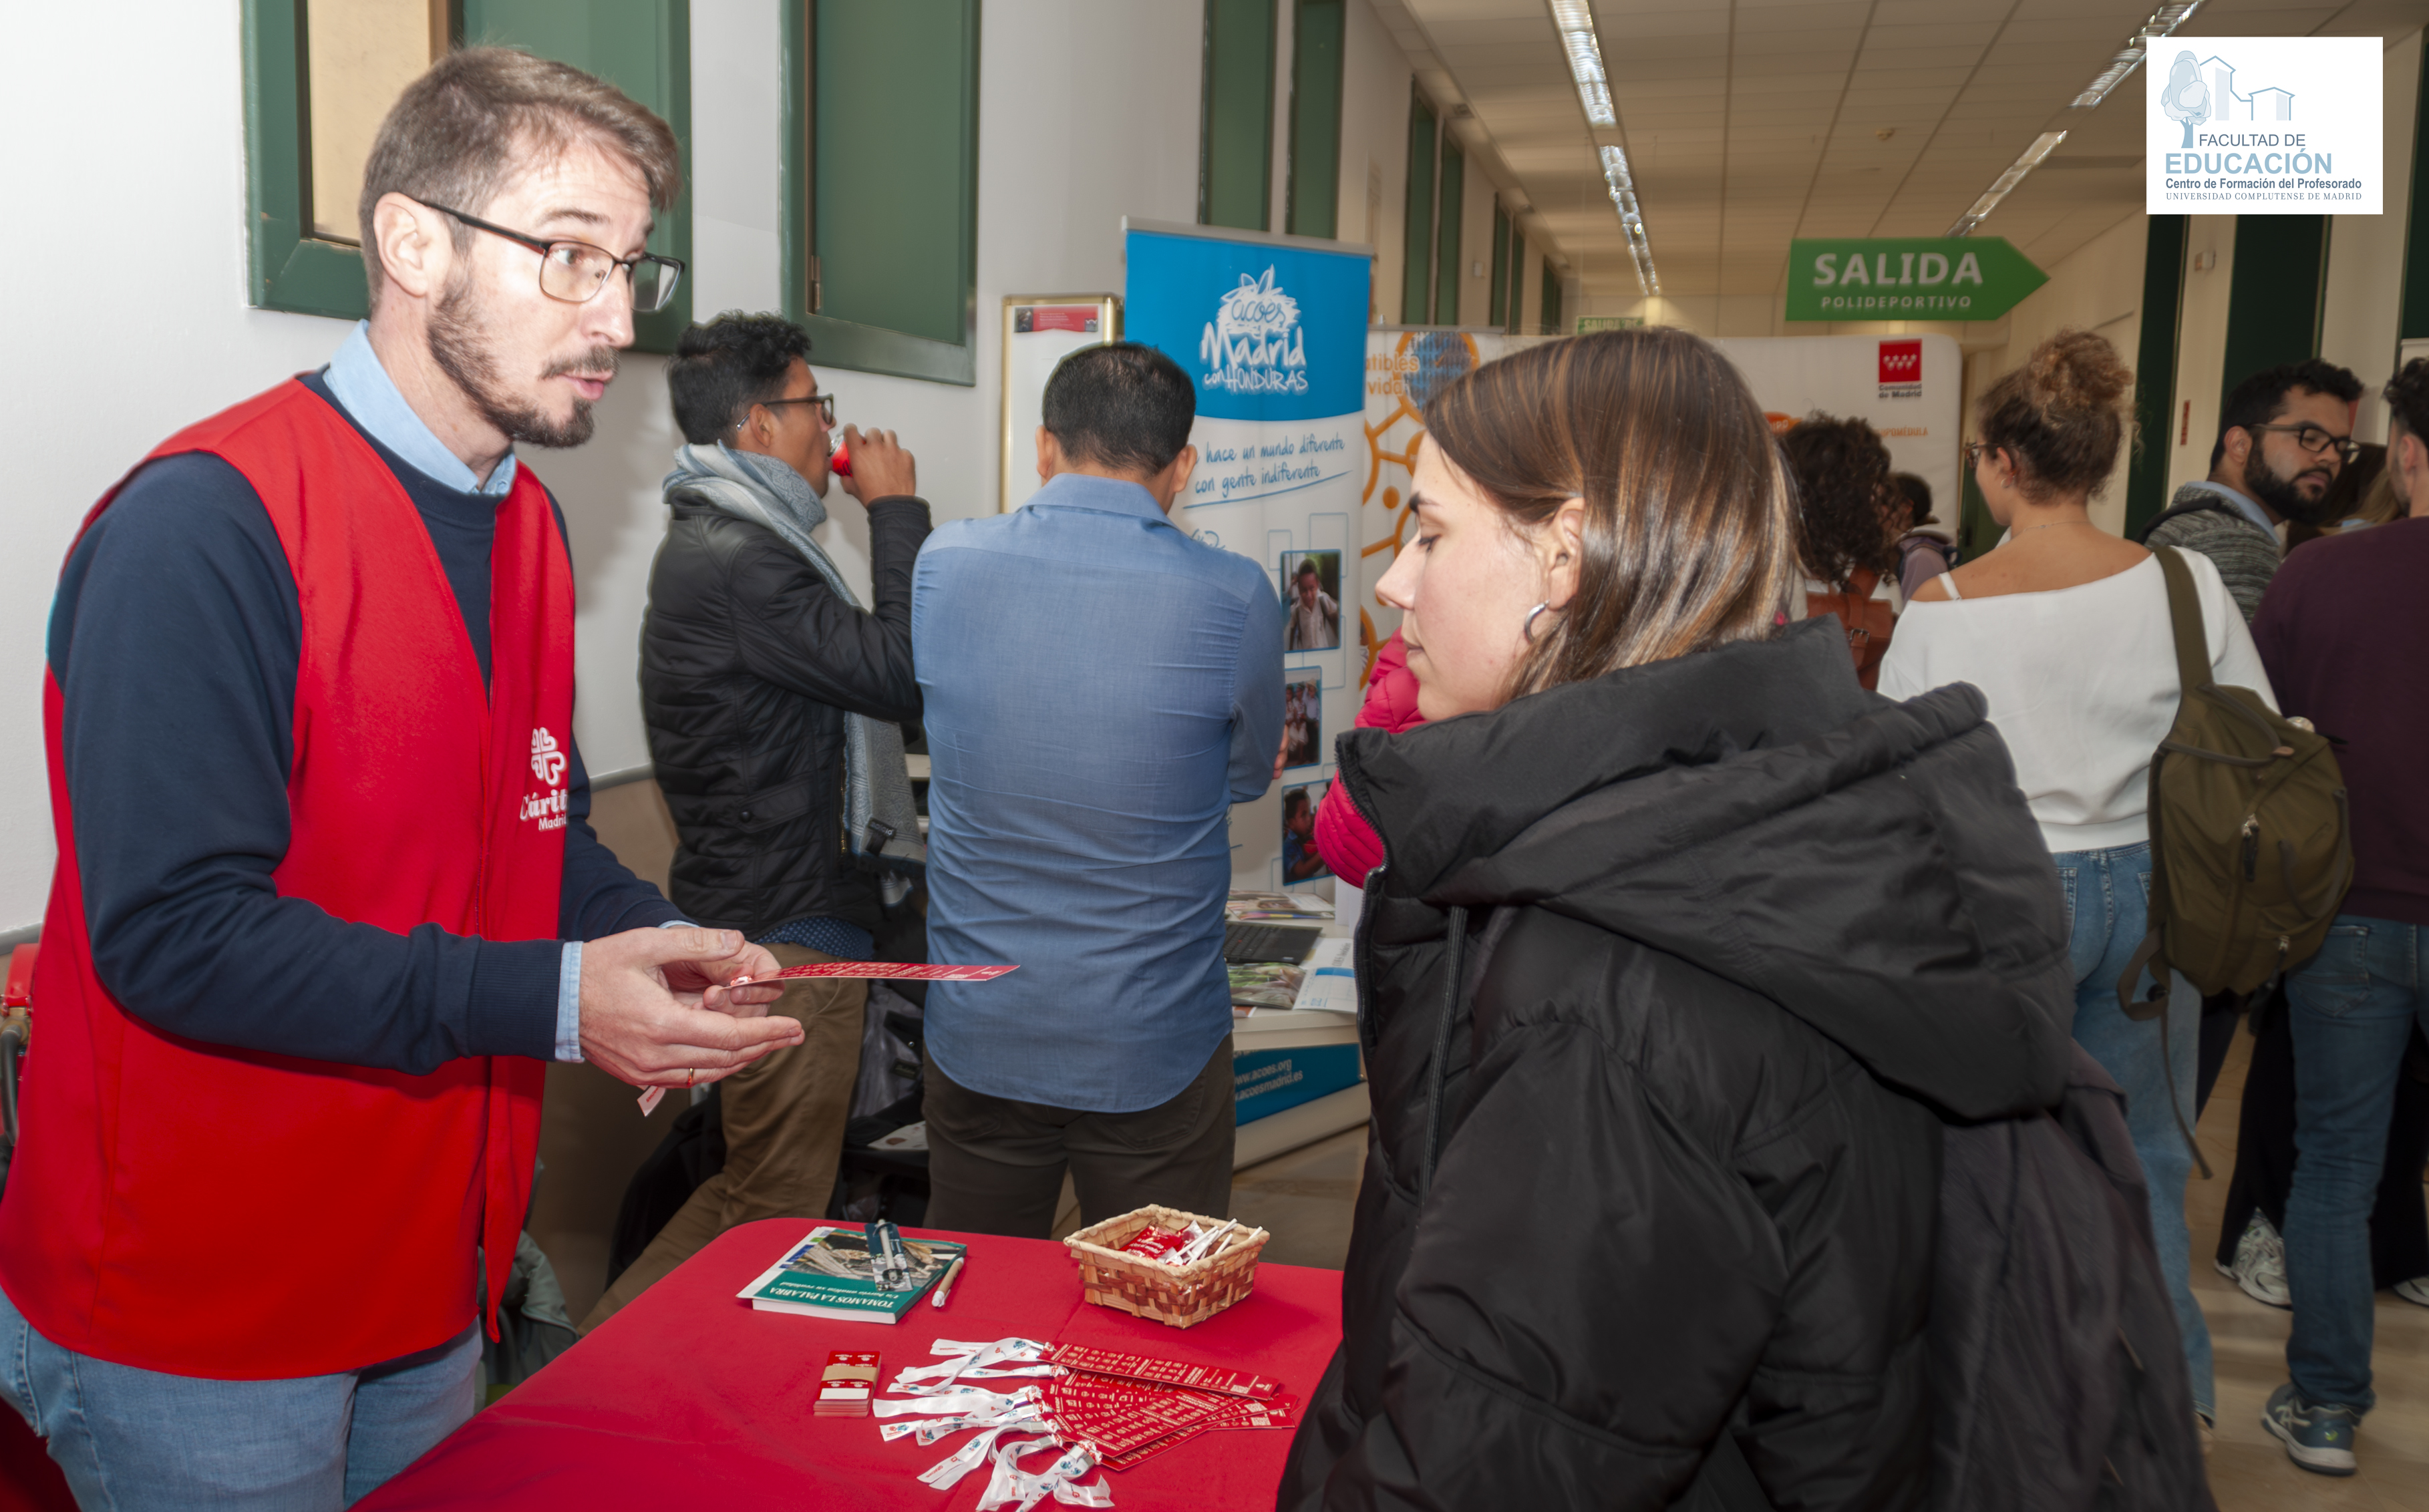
(1273, 331)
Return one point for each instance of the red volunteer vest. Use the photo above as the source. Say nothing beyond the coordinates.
(210, 1211)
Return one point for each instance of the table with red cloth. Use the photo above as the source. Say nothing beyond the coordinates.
(691, 1394)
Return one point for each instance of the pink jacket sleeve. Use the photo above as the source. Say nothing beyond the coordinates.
(1342, 837)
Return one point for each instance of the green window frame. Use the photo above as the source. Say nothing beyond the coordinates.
(1516, 321)
(894, 291)
(2277, 295)
(1311, 195)
(1416, 269)
(2155, 369)
(1449, 210)
(642, 46)
(1498, 303)
(1552, 300)
(1235, 122)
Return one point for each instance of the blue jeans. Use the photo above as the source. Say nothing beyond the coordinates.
(136, 1440)
(2354, 1005)
(2108, 909)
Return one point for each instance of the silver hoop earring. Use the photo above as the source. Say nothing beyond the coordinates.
(1527, 631)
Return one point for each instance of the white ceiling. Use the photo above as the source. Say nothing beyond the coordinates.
(1752, 121)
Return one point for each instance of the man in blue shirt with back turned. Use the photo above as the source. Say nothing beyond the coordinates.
(1098, 689)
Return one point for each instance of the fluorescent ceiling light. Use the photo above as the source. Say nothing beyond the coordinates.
(1574, 22)
(1631, 219)
(2043, 147)
(2163, 22)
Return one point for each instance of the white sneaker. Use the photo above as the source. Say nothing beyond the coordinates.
(2259, 1267)
(2415, 1291)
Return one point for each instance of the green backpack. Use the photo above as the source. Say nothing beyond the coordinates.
(2251, 842)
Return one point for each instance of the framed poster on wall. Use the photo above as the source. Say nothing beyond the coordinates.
(1040, 330)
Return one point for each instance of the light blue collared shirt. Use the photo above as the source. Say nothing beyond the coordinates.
(2248, 508)
(1097, 689)
(371, 397)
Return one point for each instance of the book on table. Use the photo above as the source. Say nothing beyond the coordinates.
(828, 1274)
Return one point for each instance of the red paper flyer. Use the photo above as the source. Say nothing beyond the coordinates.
(881, 971)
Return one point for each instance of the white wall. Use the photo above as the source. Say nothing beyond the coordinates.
(119, 345)
(2097, 288)
(2201, 347)
(1375, 149)
(133, 329)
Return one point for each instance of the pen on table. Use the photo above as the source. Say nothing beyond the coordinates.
(945, 1287)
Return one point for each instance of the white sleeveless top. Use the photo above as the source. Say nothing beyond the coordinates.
(2081, 684)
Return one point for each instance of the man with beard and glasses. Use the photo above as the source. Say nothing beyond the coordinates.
(2282, 439)
(328, 903)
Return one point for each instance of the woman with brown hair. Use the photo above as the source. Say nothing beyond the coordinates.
(1669, 968)
(2065, 629)
(1842, 473)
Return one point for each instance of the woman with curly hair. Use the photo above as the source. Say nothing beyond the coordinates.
(1851, 569)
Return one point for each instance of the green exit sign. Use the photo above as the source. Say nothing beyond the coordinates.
(1610, 322)
(1907, 278)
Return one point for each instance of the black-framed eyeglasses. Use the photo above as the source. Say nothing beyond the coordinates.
(825, 402)
(575, 271)
(1974, 453)
(2314, 439)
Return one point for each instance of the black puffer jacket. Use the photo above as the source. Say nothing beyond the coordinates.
(749, 663)
(1736, 933)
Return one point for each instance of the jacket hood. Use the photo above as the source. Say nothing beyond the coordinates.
(1867, 865)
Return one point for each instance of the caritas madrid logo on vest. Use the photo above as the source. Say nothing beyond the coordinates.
(548, 764)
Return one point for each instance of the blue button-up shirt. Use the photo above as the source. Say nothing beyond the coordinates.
(1098, 690)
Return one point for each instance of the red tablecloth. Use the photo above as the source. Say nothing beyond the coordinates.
(689, 1396)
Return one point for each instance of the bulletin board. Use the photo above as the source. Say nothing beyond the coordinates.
(1040, 330)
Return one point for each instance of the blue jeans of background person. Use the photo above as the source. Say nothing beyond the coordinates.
(2108, 908)
(136, 1440)
(2353, 1006)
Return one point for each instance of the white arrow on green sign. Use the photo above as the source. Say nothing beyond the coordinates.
(1907, 278)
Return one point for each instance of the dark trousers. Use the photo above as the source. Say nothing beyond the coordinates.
(2264, 1153)
(994, 1166)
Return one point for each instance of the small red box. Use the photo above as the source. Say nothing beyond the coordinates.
(1902, 362)
(850, 1381)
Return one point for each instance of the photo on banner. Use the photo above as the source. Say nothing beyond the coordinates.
(1272, 331)
(1300, 862)
(1310, 586)
(1302, 718)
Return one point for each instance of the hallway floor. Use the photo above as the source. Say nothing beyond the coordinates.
(2248, 1469)
(1306, 1197)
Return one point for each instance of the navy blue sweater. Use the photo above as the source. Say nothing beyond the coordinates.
(175, 640)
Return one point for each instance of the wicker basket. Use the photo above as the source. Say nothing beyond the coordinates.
(1182, 1297)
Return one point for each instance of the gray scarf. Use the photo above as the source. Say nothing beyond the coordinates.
(877, 784)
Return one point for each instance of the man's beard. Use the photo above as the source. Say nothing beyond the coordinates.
(462, 351)
(2282, 494)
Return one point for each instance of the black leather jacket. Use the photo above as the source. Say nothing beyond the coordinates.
(1732, 935)
(749, 663)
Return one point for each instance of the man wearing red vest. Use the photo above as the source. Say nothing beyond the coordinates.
(326, 900)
